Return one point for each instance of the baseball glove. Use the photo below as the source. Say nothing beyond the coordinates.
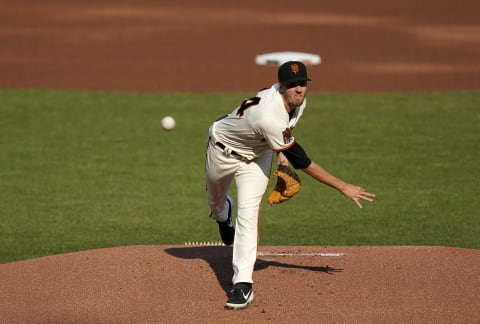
(288, 185)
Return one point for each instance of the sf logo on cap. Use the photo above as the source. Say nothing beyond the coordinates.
(294, 68)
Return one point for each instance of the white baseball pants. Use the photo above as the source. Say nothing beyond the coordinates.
(251, 179)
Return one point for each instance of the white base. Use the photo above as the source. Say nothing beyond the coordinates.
(278, 58)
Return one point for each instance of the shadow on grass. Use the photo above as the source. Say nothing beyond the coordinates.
(220, 260)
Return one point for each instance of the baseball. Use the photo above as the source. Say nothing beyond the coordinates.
(168, 123)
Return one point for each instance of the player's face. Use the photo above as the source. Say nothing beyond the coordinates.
(294, 93)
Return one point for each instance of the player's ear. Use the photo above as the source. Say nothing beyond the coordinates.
(282, 88)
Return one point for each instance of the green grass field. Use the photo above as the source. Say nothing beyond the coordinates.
(84, 170)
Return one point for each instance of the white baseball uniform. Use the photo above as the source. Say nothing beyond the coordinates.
(241, 146)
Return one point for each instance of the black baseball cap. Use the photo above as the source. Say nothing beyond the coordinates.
(292, 71)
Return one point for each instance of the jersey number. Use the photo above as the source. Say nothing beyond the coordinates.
(247, 103)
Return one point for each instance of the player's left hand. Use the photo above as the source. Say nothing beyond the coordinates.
(356, 194)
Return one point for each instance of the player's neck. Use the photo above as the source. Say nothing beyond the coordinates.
(287, 105)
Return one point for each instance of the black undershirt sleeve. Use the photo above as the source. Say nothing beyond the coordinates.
(297, 156)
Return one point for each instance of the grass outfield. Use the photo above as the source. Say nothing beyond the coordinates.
(84, 170)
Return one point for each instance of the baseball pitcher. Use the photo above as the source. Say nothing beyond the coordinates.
(241, 147)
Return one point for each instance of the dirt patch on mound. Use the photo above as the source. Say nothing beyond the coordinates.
(181, 284)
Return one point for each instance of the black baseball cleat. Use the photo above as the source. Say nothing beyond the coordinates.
(226, 228)
(240, 296)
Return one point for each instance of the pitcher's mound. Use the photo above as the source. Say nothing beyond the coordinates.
(185, 284)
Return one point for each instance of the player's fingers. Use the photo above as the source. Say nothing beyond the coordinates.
(357, 202)
(366, 195)
(365, 198)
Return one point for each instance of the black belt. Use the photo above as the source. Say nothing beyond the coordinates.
(220, 145)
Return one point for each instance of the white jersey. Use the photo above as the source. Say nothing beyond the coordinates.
(259, 124)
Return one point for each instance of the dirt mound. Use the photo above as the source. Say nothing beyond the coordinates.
(180, 284)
